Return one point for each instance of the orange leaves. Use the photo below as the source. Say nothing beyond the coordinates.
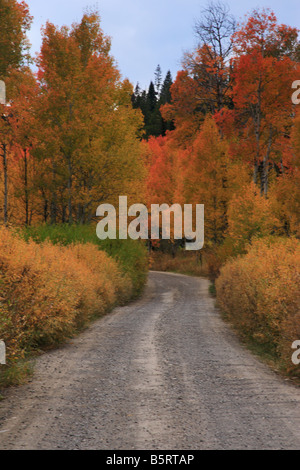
(47, 291)
(14, 22)
(263, 73)
(248, 135)
(262, 33)
(205, 178)
(184, 100)
(163, 163)
(264, 82)
(210, 71)
(286, 202)
(197, 174)
(90, 37)
(262, 298)
(75, 124)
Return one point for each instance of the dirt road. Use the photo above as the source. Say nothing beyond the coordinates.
(164, 373)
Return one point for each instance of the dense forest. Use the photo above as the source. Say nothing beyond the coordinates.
(150, 102)
(224, 132)
(69, 135)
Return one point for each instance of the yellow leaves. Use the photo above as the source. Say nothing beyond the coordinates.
(48, 292)
(250, 215)
(260, 293)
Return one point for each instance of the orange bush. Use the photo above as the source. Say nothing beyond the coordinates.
(260, 294)
(48, 292)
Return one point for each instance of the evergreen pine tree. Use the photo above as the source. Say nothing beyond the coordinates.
(165, 94)
(166, 97)
(151, 98)
(149, 102)
(158, 79)
(136, 97)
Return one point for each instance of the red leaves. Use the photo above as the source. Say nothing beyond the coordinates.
(184, 101)
(250, 102)
(262, 33)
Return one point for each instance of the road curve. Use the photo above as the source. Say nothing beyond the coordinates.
(164, 373)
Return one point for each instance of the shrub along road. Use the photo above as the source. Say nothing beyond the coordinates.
(164, 373)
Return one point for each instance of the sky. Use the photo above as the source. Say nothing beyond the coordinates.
(146, 33)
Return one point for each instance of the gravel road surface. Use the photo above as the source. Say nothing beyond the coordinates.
(164, 373)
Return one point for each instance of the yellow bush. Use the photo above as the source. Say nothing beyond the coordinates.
(250, 216)
(47, 292)
(260, 294)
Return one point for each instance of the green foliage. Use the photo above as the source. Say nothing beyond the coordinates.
(150, 102)
(15, 374)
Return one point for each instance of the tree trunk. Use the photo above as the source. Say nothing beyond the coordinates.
(70, 184)
(45, 210)
(257, 123)
(5, 205)
(265, 170)
(80, 214)
(53, 204)
(26, 188)
(255, 172)
(63, 215)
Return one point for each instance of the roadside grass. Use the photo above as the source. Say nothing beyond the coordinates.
(265, 352)
(212, 289)
(15, 374)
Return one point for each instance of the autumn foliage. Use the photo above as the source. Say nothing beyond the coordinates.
(72, 136)
(69, 141)
(236, 149)
(260, 294)
(48, 293)
(235, 144)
